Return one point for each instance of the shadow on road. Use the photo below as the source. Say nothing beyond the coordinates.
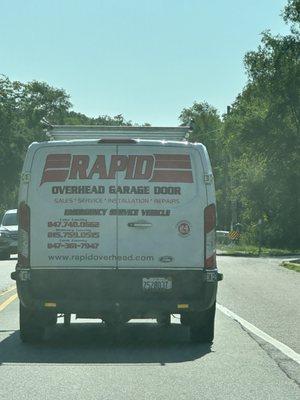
(134, 343)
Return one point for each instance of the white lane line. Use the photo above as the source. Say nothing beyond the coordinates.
(280, 346)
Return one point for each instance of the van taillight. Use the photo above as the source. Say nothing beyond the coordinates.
(24, 237)
(210, 236)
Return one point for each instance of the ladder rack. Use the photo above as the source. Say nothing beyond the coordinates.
(70, 132)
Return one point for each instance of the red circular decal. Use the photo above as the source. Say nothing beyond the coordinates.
(184, 228)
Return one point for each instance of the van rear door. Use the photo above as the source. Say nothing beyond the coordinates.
(161, 203)
(70, 220)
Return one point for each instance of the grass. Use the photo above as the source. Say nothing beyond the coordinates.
(293, 265)
(253, 251)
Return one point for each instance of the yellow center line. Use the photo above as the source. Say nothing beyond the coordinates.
(8, 301)
(10, 289)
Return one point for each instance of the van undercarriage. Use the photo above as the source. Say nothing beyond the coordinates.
(91, 291)
(114, 296)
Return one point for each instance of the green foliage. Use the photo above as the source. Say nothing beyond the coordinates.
(262, 135)
(255, 150)
(74, 118)
(291, 14)
(253, 251)
(206, 125)
(22, 107)
(295, 266)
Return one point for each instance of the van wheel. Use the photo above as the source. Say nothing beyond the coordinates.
(202, 325)
(32, 328)
(164, 319)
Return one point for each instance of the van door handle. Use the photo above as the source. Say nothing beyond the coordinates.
(139, 224)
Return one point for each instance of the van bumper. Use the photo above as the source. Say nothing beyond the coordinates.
(92, 293)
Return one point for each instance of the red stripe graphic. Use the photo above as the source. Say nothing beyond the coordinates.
(57, 164)
(173, 164)
(54, 161)
(167, 168)
(170, 168)
(58, 161)
(55, 175)
(175, 157)
(172, 176)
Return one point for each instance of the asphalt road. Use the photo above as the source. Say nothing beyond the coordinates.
(145, 361)
(6, 267)
(263, 293)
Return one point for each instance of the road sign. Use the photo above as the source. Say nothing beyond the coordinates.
(234, 235)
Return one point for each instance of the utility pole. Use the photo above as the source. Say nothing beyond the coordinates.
(228, 184)
(260, 235)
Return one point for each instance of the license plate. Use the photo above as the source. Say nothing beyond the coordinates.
(211, 276)
(153, 284)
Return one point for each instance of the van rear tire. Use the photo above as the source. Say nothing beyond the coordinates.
(202, 325)
(32, 328)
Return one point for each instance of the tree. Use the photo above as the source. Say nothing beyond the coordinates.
(262, 134)
(22, 108)
(206, 126)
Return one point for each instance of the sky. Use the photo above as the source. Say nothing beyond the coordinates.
(144, 59)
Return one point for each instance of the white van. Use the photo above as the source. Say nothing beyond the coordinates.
(117, 223)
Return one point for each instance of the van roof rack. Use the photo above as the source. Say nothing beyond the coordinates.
(70, 132)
